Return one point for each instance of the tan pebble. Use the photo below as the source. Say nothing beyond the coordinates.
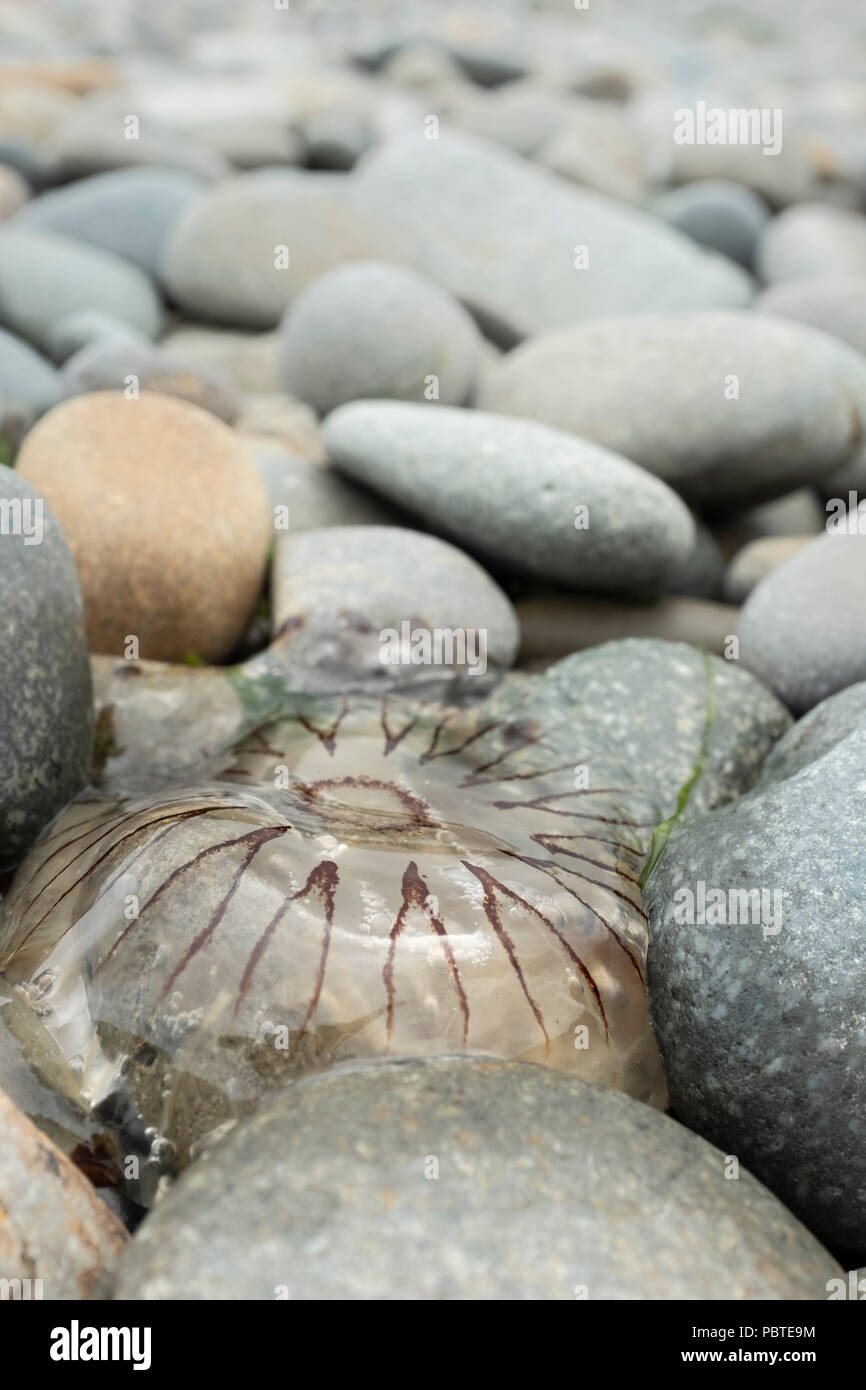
(166, 516)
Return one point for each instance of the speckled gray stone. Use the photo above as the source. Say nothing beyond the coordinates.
(661, 389)
(721, 215)
(816, 733)
(467, 1179)
(760, 1024)
(651, 703)
(337, 589)
(812, 239)
(502, 234)
(54, 1227)
(834, 303)
(370, 329)
(45, 693)
(509, 490)
(44, 277)
(803, 628)
(128, 212)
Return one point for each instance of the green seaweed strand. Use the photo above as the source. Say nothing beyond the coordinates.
(662, 832)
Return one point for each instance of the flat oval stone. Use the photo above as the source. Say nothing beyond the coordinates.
(473, 216)
(466, 472)
(467, 1179)
(43, 277)
(223, 261)
(727, 408)
(128, 212)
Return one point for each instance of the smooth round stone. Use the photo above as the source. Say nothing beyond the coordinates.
(136, 365)
(472, 216)
(720, 215)
(376, 330)
(339, 589)
(14, 191)
(758, 559)
(803, 628)
(467, 1179)
(55, 1228)
(816, 733)
(253, 142)
(44, 277)
(676, 716)
(553, 627)
(835, 303)
(45, 692)
(28, 382)
(759, 1008)
(128, 212)
(812, 239)
(521, 115)
(660, 389)
(465, 472)
(316, 495)
(166, 516)
(224, 261)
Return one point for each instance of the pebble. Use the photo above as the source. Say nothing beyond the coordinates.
(803, 628)
(55, 1229)
(727, 408)
(316, 496)
(45, 692)
(129, 212)
(248, 360)
(370, 329)
(720, 215)
(834, 303)
(812, 239)
(338, 589)
(758, 559)
(28, 382)
(129, 364)
(467, 1179)
(760, 1022)
(93, 139)
(816, 733)
(176, 480)
(553, 627)
(472, 216)
(243, 251)
(44, 277)
(465, 473)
